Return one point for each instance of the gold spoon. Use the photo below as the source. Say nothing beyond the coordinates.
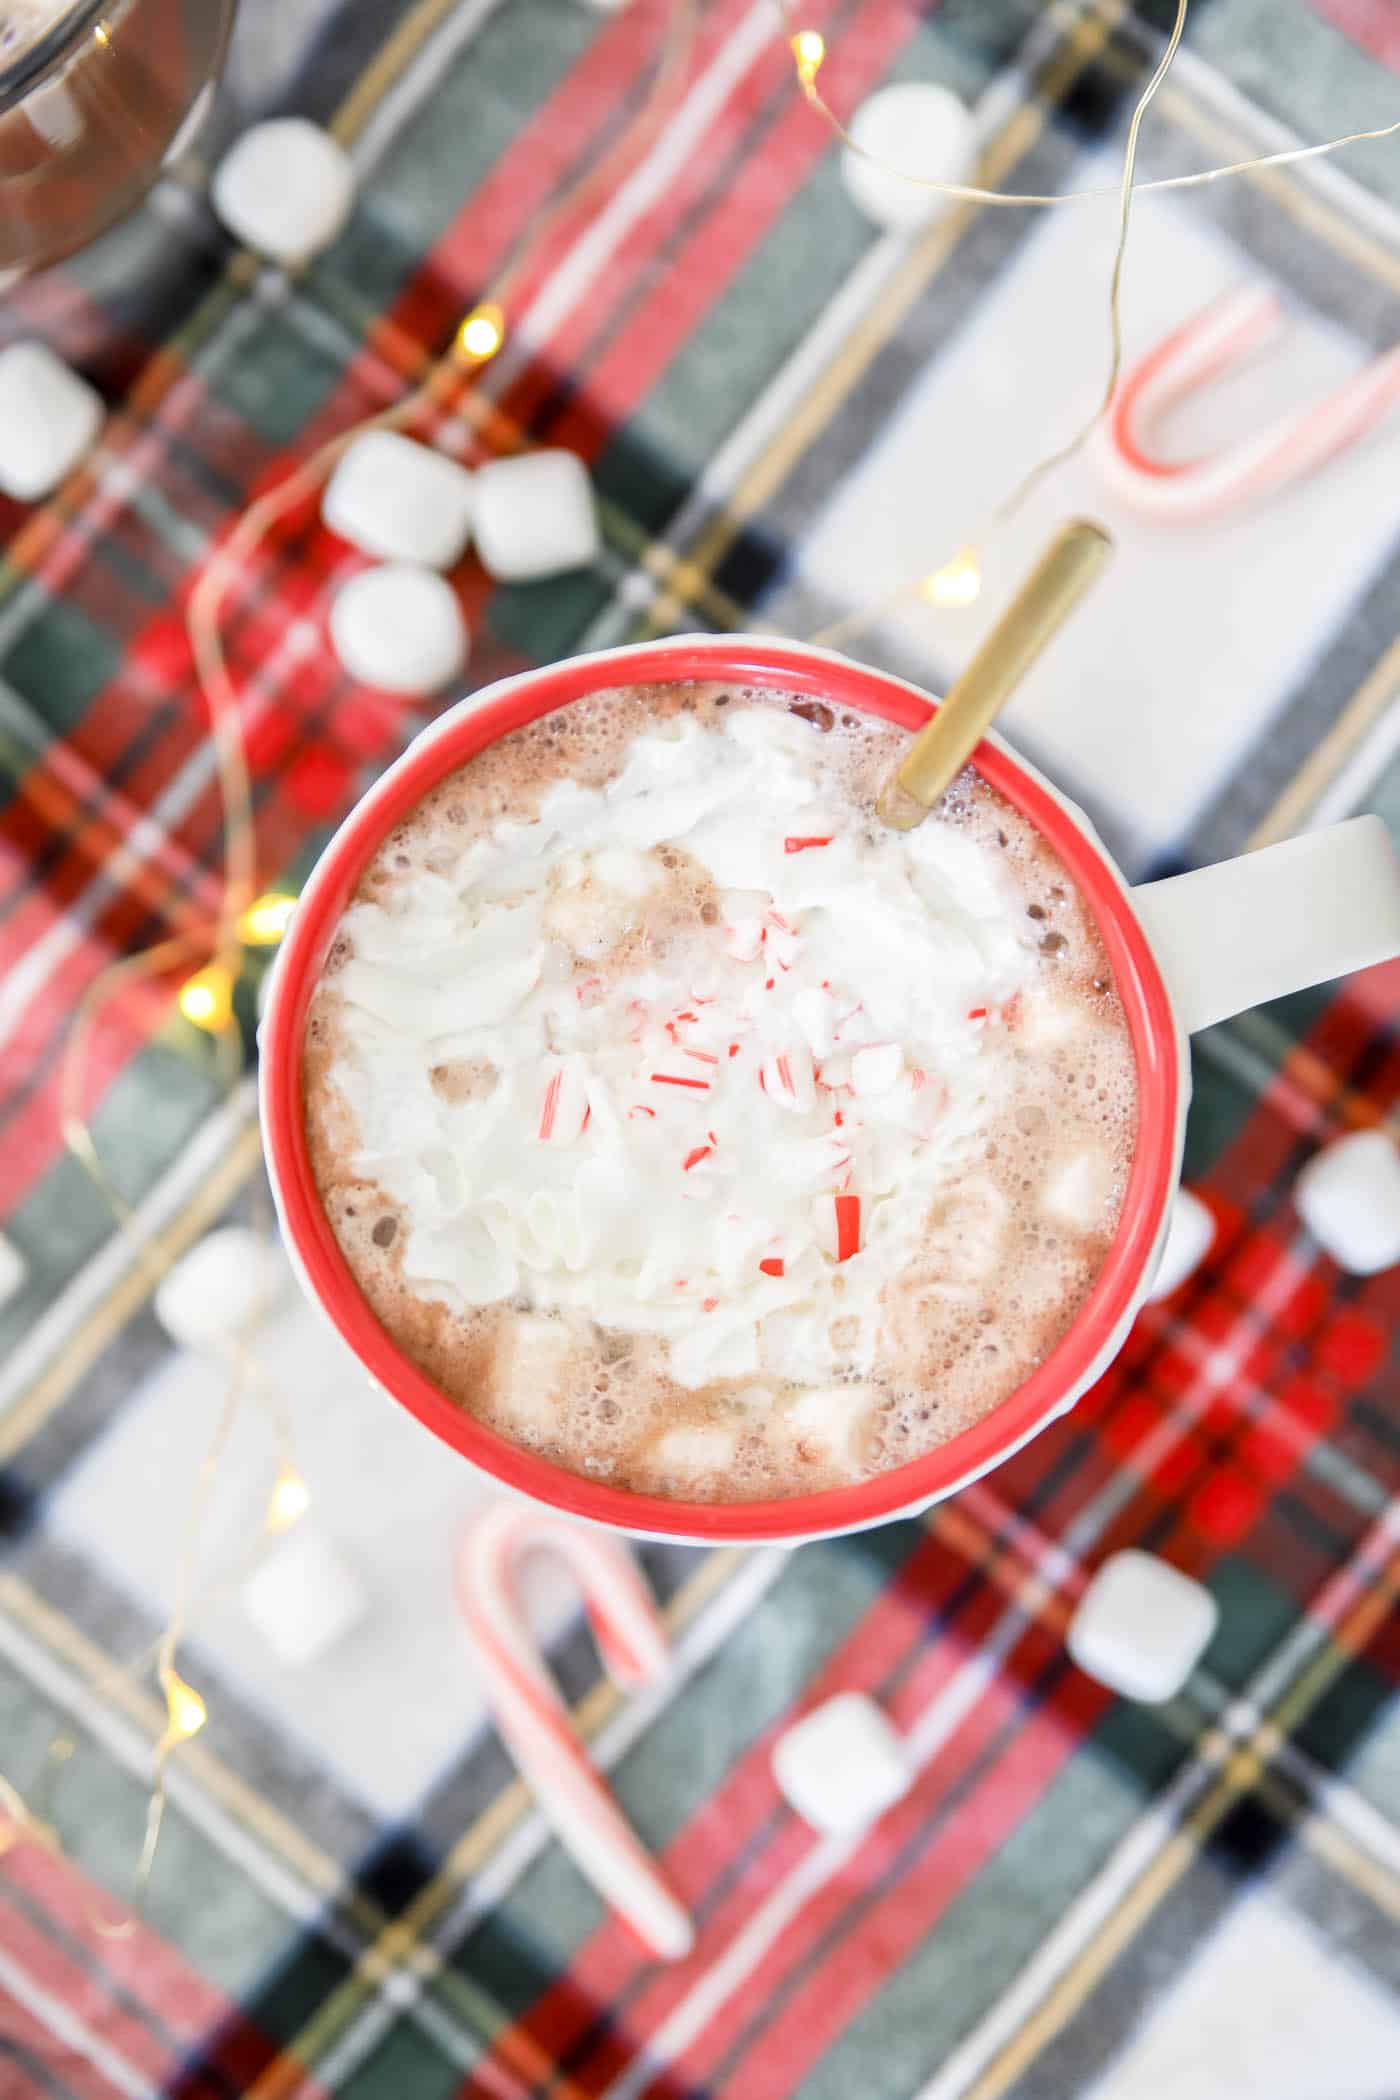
(1074, 559)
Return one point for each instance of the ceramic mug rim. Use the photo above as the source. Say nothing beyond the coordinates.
(460, 735)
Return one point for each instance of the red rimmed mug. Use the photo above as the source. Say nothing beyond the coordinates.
(1185, 952)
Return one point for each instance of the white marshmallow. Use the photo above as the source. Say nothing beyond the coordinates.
(842, 1765)
(1080, 1192)
(400, 628)
(13, 1269)
(304, 1597)
(837, 1418)
(696, 1450)
(221, 1287)
(1348, 1196)
(535, 516)
(916, 126)
(1046, 1022)
(400, 500)
(49, 418)
(56, 117)
(531, 1364)
(1190, 1237)
(285, 188)
(1142, 1626)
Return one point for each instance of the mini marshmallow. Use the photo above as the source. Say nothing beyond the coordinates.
(1142, 1626)
(696, 1450)
(835, 1418)
(1348, 1196)
(535, 516)
(400, 500)
(13, 1269)
(1078, 1194)
(532, 1362)
(219, 1289)
(304, 1597)
(916, 126)
(49, 419)
(54, 114)
(842, 1765)
(285, 189)
(400, 628)
(1190, 1237)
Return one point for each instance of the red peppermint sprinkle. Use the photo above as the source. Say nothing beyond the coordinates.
(702, 1057)
(550, 1108)
(637, 1110)
(977, 1013)
(772, 1266)
(693, 1158)
(847, 1226)
(805, 845)
(708, 1304)
(564, 1107)
(701, 1086)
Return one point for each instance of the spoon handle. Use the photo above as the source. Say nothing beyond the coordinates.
(1070, 564)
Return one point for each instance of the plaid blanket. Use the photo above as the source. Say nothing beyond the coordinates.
(784, 413)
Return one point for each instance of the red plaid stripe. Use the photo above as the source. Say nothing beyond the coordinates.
(313, 787)
(892, 1650)
(1374, 24)
(663, 308)
(149, 2011)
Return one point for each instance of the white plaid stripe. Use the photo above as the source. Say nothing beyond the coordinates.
(490, 1887)
(1240, 1724)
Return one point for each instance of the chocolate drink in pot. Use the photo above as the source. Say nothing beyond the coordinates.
(90, 100)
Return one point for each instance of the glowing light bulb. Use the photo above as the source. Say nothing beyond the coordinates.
(207, 998)
(809, 49)
(289, 1501)
(265, 921)
(186, 1713)
(481, 334)
(958, 582)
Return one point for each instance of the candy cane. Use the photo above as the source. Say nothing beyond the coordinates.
(534, 1719)
(1210, 343)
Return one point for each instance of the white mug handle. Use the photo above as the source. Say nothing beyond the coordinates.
(1274, 921)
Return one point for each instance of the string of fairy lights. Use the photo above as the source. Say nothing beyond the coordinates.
(250, 918)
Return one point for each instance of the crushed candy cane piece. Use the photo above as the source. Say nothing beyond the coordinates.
(564, 1109)
(789, 1079)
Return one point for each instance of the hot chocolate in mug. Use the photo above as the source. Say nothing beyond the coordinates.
(1185, 952)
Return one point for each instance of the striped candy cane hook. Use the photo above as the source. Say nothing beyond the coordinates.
(534, 1719)
(1210, 343)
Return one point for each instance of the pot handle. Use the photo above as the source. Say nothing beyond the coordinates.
(1274, 921)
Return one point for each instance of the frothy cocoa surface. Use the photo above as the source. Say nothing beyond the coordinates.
(706, 1156)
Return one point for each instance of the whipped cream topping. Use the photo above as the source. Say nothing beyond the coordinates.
(709, 1043)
